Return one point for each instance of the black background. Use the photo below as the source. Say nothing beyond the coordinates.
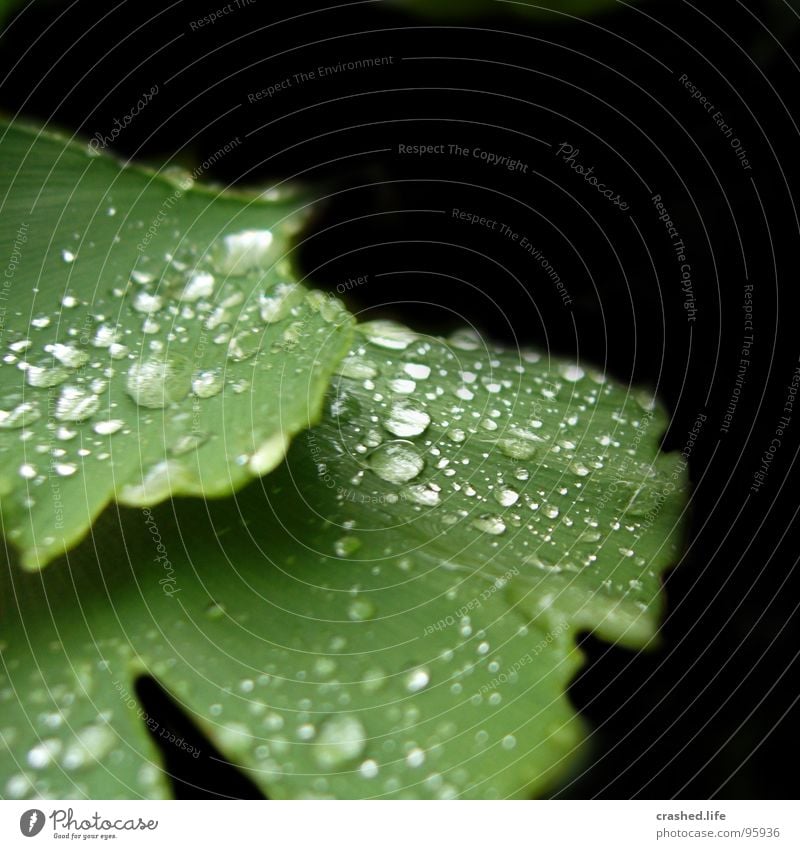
(713, 711)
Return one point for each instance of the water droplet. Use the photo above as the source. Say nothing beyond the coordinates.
(418, 679)
(276, 305)
(75, 404)
(361, 610)
(187, 443)
(357, 368)
(517, 449)
(199, 285)
(416, 757)
(67, 256)
(402, 386)
(455, 434)
(207, 383)
(506, 497)
(147, 303)
(368, 769)
(44, 753)
(489, 524)
(396, 462)
(346, 546)
(406, 419)
(108, 427)
(157, 382)
(42, 377)
(243, 251)
(422, 494)
(69, 355)
(388, 334)
(417, 371)
(341, 739)
(92, 743)
(572, 373)
(65, 470)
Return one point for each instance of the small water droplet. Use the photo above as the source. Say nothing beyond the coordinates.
(417, 679)
(361, 610)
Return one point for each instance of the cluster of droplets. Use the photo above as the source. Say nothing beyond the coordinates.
(174, 329)
(538, 462)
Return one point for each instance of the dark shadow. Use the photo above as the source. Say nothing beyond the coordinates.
(207, 775)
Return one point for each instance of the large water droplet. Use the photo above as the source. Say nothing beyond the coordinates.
(388, 334)
(75, 404)
(405, 419)
(341, 739)
(396, 462)
(157, 382)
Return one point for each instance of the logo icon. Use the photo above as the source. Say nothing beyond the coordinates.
(31, 822)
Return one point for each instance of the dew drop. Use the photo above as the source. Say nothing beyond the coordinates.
(361, 610)
(396, 462)
(418, 679)
(388, 334)
(157, 382)
(75, 404)
(489, 524)
(341, 739)
(108, 427)
(199, 285)
(406, 420)
(207, 383)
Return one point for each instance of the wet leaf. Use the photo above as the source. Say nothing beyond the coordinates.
(391, 613)
(155, 340)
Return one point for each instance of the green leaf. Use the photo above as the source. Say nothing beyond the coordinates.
(154, 339)
(392, 612)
